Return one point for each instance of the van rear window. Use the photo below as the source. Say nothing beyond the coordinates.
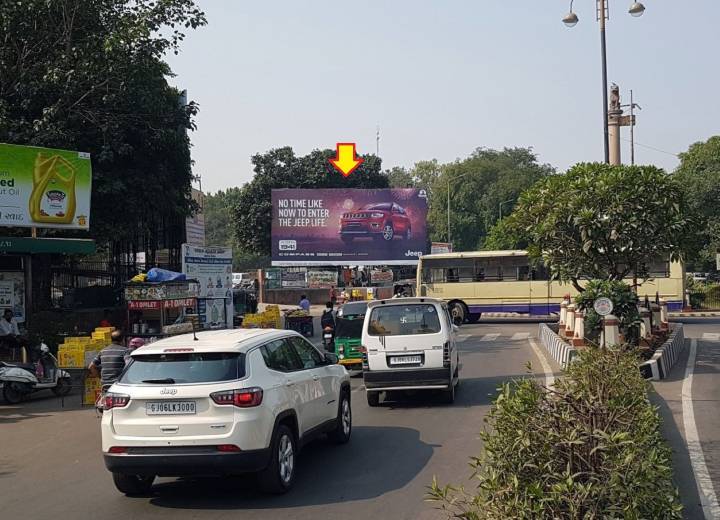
(404, 320)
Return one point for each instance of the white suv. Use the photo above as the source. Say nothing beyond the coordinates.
(409, 344)
(228, 402)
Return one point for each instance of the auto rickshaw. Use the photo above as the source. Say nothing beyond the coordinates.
(348, 334)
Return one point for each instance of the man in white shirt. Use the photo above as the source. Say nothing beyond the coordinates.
(8, 325)
(9, 332)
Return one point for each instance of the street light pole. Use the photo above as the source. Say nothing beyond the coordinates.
(448, 210)
(603, 52)
(500, 207)
(570, 20)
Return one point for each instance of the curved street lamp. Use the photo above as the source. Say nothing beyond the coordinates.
(570, 20)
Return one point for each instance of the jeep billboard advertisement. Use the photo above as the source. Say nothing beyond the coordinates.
(348, 227)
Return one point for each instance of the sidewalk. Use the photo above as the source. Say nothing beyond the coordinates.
(694, 314)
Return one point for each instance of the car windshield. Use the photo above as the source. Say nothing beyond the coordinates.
(385, 206)
(403, 320)
(184, 368)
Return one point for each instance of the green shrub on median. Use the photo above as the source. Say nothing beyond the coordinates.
(589, 447)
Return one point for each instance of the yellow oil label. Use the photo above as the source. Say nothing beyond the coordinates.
(53, 196)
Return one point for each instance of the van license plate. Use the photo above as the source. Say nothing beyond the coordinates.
(405, 360)
(170, 408)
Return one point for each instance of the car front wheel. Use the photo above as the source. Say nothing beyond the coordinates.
(279, 476)
(388, 233)
(133, 484)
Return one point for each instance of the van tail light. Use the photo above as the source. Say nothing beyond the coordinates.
(117, 449)
(363, 354)
(446, 354)
(113, 400)
(241, 398)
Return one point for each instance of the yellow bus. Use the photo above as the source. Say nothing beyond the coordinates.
(480, 282)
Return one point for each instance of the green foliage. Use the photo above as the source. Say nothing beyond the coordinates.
(624, 308)
(89, 75)
(478, 185)
(604, 222)
(218, 218)
(588, 448)
(699, 176)
(502, 236)
(281, 168)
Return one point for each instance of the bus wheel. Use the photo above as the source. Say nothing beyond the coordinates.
(474, 317)
(459, 312)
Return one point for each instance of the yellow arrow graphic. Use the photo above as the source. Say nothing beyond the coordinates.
(346, 160)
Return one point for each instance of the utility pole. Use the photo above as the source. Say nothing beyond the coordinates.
(377, 141)
(602, 16)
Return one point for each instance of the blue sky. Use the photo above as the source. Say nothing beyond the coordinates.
(442, 78)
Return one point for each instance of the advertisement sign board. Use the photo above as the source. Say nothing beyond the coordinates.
(195, 225)
(44, 187)
(16, 280)
(440, 247)
(7, 295)
(212, 267)
(348, 226)
(293, 279)
(317, 279)
(378, 276)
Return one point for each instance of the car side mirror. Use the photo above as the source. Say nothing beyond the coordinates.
(455, 328)
(330, 358)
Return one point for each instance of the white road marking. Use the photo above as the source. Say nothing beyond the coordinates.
(490, 337)
(711, 336)
(549, 377)
(708, 500)
(463, 337)
(520, 336)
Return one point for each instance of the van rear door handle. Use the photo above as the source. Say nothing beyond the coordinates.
(315, 378)
(289, 383)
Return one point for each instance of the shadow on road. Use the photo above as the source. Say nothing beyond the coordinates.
(392, 457)
(38, 405)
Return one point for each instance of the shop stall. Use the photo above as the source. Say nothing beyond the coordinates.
(159, 310)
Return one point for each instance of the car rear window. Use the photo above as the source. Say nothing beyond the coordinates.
(403, 320)
(184, 368)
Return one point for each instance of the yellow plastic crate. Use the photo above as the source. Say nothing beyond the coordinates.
(71, 359)
(92, 390)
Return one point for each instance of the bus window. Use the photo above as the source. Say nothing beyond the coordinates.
(540, 273)
(523, 273)
(479, 274)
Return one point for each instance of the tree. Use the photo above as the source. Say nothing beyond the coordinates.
(89, 75)
(478, 186)
(217, 211)
(281, 168)
(603, 222)
(503, 237)
(699, 175)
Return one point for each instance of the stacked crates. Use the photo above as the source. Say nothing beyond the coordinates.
(269, 319)
(79, 351)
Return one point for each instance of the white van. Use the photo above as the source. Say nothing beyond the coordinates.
(409, 344)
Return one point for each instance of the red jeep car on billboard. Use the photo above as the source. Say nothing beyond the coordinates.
(383, 221)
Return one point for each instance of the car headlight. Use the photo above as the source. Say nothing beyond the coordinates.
(376, 215)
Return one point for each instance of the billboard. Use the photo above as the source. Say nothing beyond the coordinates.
(44, 187)
(212, 267)
(348, 226)
(195, 225)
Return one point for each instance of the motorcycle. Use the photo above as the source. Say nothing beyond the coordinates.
(18, 380)
(329, 339)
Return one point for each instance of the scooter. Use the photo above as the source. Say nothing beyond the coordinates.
(329, 339)
(18, 380)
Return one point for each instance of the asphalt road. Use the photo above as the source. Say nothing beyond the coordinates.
(50, 463)
(705, 393)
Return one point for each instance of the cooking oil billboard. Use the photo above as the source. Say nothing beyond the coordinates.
(43, 187)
